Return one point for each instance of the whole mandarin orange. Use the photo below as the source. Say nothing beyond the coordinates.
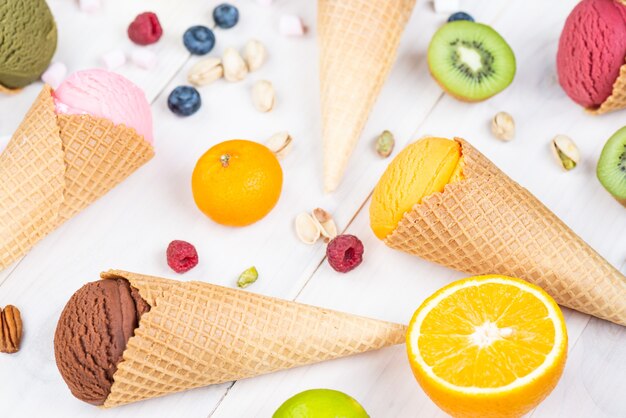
(237, 182)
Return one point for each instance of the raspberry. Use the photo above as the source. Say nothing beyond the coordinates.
(181, 256)
(145, 29)
(344, 253)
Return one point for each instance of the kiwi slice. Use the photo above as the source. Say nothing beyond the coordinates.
(471, 61)
(611, 168)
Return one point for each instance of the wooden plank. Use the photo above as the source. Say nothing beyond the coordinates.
(594, 381)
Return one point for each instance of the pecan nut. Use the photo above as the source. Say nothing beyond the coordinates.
(10, 329)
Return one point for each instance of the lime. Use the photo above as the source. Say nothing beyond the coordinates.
(320, 403)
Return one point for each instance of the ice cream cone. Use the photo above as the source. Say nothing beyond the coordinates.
(56, 165)
(198, 334)
(358, 40)
(6, 90)
(617, 99)
(487, 223)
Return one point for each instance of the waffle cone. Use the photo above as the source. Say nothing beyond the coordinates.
(487, 223)
(358, 40)
(56, 165)
(198, 334)
(9, 91)
(617, 99)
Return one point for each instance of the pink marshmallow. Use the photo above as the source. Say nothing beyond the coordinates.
(89, 6)
(144, 58)
(113, 59)
(291, 25)
(55, 73)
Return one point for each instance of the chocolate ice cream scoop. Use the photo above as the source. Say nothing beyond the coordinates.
(92, 334)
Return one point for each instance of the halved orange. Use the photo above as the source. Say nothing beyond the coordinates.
(488, 346)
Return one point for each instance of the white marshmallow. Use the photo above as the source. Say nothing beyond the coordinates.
(4, 140)
(113, 59)
(89, 6)
(144, 58)
(446, 6)
(55, 73)
(291, 25)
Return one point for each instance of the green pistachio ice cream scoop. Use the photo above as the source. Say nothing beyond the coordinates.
(28, 39)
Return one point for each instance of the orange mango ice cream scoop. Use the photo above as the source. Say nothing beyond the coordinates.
(421, 169)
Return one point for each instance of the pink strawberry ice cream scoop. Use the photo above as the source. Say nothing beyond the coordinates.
(592, 48)
(107, 95)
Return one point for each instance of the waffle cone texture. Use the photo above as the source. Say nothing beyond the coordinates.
(55, 166)
(197, 334)
(9, 91)
(487, 223)
(617, 99)
(358, 40)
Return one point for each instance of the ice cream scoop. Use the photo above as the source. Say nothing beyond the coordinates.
(107, 95)
(28, 39)
(92, 334)
(592, 48)
(417, 172)
(56, 164)
(194, 334)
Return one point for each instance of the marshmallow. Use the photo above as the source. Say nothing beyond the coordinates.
(144, 58)
(4, 140)
(113, 59)
(89, 6)
(55, 73)
(291, 25)
(446, 6)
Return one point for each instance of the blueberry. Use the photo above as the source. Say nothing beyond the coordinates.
(460, 16)
(199, 40)
(184, 101)
(225, 15)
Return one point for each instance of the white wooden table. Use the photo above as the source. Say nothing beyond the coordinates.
(131, 226)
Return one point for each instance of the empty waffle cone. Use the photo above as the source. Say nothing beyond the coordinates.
(487, 223)
(617, 99)
(198, 334)
(358, 40)
(56, 165)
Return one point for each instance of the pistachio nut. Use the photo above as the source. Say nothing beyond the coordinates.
(248, 277)
(503, 126)
(206, 71)
(307, 229)
(565, 151)
(327, 225)
(235, 68)
(263, 95)
(280, 144)
(254, 54)
(384, 144)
